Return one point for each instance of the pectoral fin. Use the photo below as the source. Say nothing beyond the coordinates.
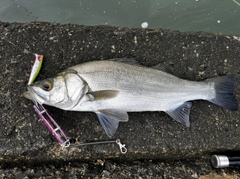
(181, 114)
(110, 119)
(102, 95)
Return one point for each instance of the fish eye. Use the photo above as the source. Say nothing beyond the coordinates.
(46, 85)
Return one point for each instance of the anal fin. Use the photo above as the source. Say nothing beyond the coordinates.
(181, 114)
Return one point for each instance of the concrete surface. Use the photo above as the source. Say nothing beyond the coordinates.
(29, 150)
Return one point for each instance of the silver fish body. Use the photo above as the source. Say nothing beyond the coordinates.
(111, 89)
(139, 88)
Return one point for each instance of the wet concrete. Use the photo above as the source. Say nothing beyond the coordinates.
(148, 136)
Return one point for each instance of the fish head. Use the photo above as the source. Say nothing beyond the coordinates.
(63, 91)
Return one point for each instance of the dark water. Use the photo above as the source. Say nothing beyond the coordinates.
(218, 16)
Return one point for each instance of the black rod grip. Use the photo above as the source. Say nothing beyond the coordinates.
(222, 161)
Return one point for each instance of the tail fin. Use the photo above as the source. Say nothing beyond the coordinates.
(224, 87)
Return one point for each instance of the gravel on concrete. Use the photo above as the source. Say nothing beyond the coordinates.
(29, 150)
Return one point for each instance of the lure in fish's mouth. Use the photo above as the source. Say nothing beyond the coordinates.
(34, 95)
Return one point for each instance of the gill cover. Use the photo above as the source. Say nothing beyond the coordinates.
(75, 89)
(63, 91)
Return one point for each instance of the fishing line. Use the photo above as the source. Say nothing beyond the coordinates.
(8, 5)
(122, 147)
(236, 2)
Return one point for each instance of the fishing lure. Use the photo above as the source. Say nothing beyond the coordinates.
(35, 68)
(51, 124)
(47, 119)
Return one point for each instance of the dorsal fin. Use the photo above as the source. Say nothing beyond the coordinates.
(130, 61)
(165, 66)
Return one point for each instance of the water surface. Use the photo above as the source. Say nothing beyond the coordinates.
(218, 16)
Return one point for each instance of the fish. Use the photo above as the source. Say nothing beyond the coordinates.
(112, 88)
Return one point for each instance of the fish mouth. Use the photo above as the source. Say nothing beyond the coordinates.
(34, 95)
(27, 95)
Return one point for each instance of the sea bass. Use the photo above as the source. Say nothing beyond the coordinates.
(113, 88)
